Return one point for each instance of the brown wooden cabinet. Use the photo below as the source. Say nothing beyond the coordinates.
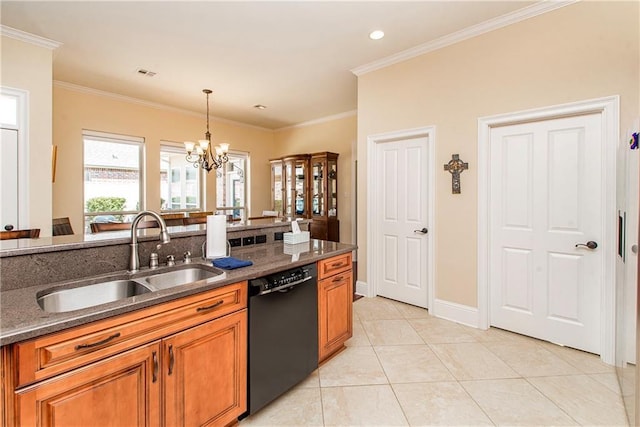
(206, 370)
(296, 186)
(324, 196)
(123, 390)
(335, 304)
(178, 363)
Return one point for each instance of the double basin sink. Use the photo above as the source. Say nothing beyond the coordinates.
(58, 300)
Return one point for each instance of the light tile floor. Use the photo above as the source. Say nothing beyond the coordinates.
(404, 367)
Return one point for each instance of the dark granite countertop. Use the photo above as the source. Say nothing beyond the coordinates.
(22, 318)
(16, 247)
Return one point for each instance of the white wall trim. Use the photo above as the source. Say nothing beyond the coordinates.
(362, 288)
(373, 198)
(29, 38)
(157, 106)
(455, 312)
(321, 120)
(22, 127)
(608, 108)
(475, 30)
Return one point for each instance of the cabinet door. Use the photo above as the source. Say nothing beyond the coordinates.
(335, 322)
(123, 390)
(206, 372)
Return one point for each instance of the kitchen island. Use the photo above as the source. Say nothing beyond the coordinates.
(172, 356)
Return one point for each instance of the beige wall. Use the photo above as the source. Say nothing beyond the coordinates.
(28, 67)
(337, 136)
(74, 111)
(582, 51)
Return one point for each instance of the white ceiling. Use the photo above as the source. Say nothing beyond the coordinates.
(294, 57)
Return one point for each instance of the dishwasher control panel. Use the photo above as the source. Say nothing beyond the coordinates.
(282, 280)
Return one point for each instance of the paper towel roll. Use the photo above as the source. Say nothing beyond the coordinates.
(216, 236)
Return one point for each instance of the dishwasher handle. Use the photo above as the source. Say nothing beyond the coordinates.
(285, 288)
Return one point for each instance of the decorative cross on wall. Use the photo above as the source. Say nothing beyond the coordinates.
(455, 168)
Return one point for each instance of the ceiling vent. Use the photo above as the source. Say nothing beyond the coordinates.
(144, 72)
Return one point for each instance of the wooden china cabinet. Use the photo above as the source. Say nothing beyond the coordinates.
(306, 186)
(296, 186)
(324, 196)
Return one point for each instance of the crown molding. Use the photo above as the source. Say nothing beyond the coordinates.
(320, 120)
(514, 17)
(29, 38)
(131, 100)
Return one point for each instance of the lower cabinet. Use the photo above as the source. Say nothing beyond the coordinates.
(206, 373)
(335, 304)
(123, 390)
(194, 376)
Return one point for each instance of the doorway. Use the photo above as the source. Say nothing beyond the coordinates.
(401, 215)
(545, 180)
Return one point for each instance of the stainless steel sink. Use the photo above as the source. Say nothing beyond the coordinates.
(180, 277)
(62, 300)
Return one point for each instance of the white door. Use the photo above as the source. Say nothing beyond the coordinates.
(545, 199)
(402, 220)
(9, 178)
(630, 292)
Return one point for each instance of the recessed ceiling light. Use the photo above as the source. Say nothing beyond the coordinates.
(376, 35)
(260, 107)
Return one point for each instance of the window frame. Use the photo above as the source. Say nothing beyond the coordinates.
(117, 139)
(247, 167)
(177, 148)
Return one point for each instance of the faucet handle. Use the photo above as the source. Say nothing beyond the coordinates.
(153, 260)
(186, 257)
(171, 260)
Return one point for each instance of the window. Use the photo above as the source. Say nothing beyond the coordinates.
(183, 190)
(231, 186)
(112, 177)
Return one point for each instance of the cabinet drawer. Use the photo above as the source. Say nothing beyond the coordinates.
(331, 266)
(52, 354)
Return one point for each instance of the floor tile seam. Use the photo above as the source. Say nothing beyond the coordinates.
(460, 383)
(406, 418)
(604, 387)
(509, 365)
(386, 375)
(564, 357)
(453, 375)
(321, 401)
(552, 401)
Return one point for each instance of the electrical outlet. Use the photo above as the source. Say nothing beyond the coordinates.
(246, 241)
(261, 238)
(235, 242)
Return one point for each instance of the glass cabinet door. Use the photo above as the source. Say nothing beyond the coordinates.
(289, 180)
(300, 193)
(332, 188)
(317, 188)
(277, 187)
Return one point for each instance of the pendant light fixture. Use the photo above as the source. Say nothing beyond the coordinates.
(202, 154)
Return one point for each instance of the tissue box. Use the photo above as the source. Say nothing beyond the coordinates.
(295, 249)
(293, 238)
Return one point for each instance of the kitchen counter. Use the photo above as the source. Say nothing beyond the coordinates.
(22, 318)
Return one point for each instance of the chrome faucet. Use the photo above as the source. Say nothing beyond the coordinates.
(134, 261)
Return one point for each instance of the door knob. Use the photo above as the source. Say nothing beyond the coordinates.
(423, 231)
(590, 244)
(8, 227)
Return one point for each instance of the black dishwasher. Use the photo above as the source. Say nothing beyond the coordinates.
(283, 333)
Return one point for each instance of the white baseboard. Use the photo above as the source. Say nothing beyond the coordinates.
(455, 312)
(362, 288)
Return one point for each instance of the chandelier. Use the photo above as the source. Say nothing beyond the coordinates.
(203, 155)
